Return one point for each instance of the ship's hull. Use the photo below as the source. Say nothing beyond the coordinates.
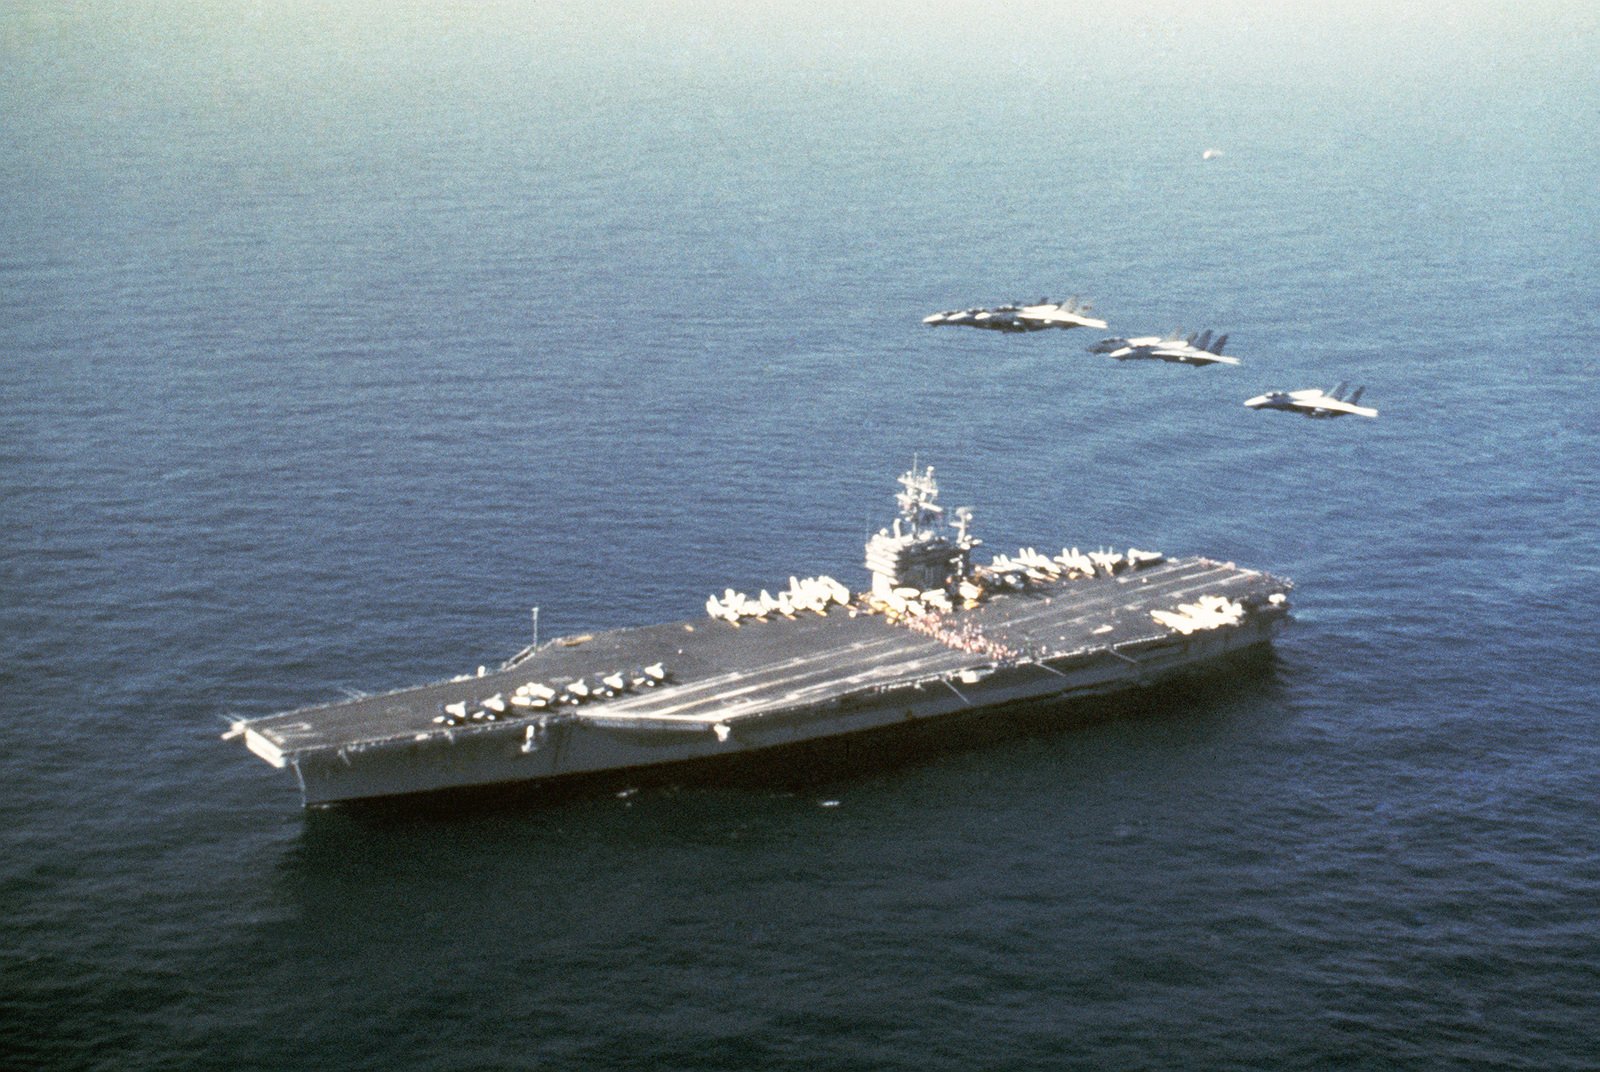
(825, 759)
(582, 751)
(736, 695)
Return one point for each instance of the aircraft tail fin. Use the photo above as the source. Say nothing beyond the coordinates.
(1216, 347)
(1357, 396)
(1203, 342)
(1338, 392)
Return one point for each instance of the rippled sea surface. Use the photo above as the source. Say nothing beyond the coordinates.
(334, 340)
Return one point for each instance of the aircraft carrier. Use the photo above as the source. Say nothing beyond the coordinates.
(935, 637)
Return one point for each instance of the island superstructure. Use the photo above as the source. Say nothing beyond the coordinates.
(935, 636)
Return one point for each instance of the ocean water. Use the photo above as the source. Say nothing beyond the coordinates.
(335, 338)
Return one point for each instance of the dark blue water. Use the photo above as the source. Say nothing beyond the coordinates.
(332, 343)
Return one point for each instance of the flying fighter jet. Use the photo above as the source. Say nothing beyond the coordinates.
(1193, 350)
(1314, 403)
(1043, 314)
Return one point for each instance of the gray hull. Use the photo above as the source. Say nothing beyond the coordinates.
(734, 693)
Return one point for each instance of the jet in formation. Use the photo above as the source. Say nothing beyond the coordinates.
(1197, 349)
(1314, 402)
(1071, 313)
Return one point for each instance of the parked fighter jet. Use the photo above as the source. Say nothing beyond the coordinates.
(1071, 313)
(1314, 403)
(1193, 350)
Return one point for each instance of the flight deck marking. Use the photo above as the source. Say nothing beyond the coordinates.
(932, 653)
(832, 677)
(716, 681)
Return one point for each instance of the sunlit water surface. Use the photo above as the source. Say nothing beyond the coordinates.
(319, 372)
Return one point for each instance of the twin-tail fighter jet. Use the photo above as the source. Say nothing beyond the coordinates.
(1071, 313)
(1314, 402)
(1193, 350)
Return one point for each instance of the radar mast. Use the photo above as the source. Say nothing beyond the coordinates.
(919, 552)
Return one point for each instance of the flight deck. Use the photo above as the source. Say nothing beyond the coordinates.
(717, 671)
